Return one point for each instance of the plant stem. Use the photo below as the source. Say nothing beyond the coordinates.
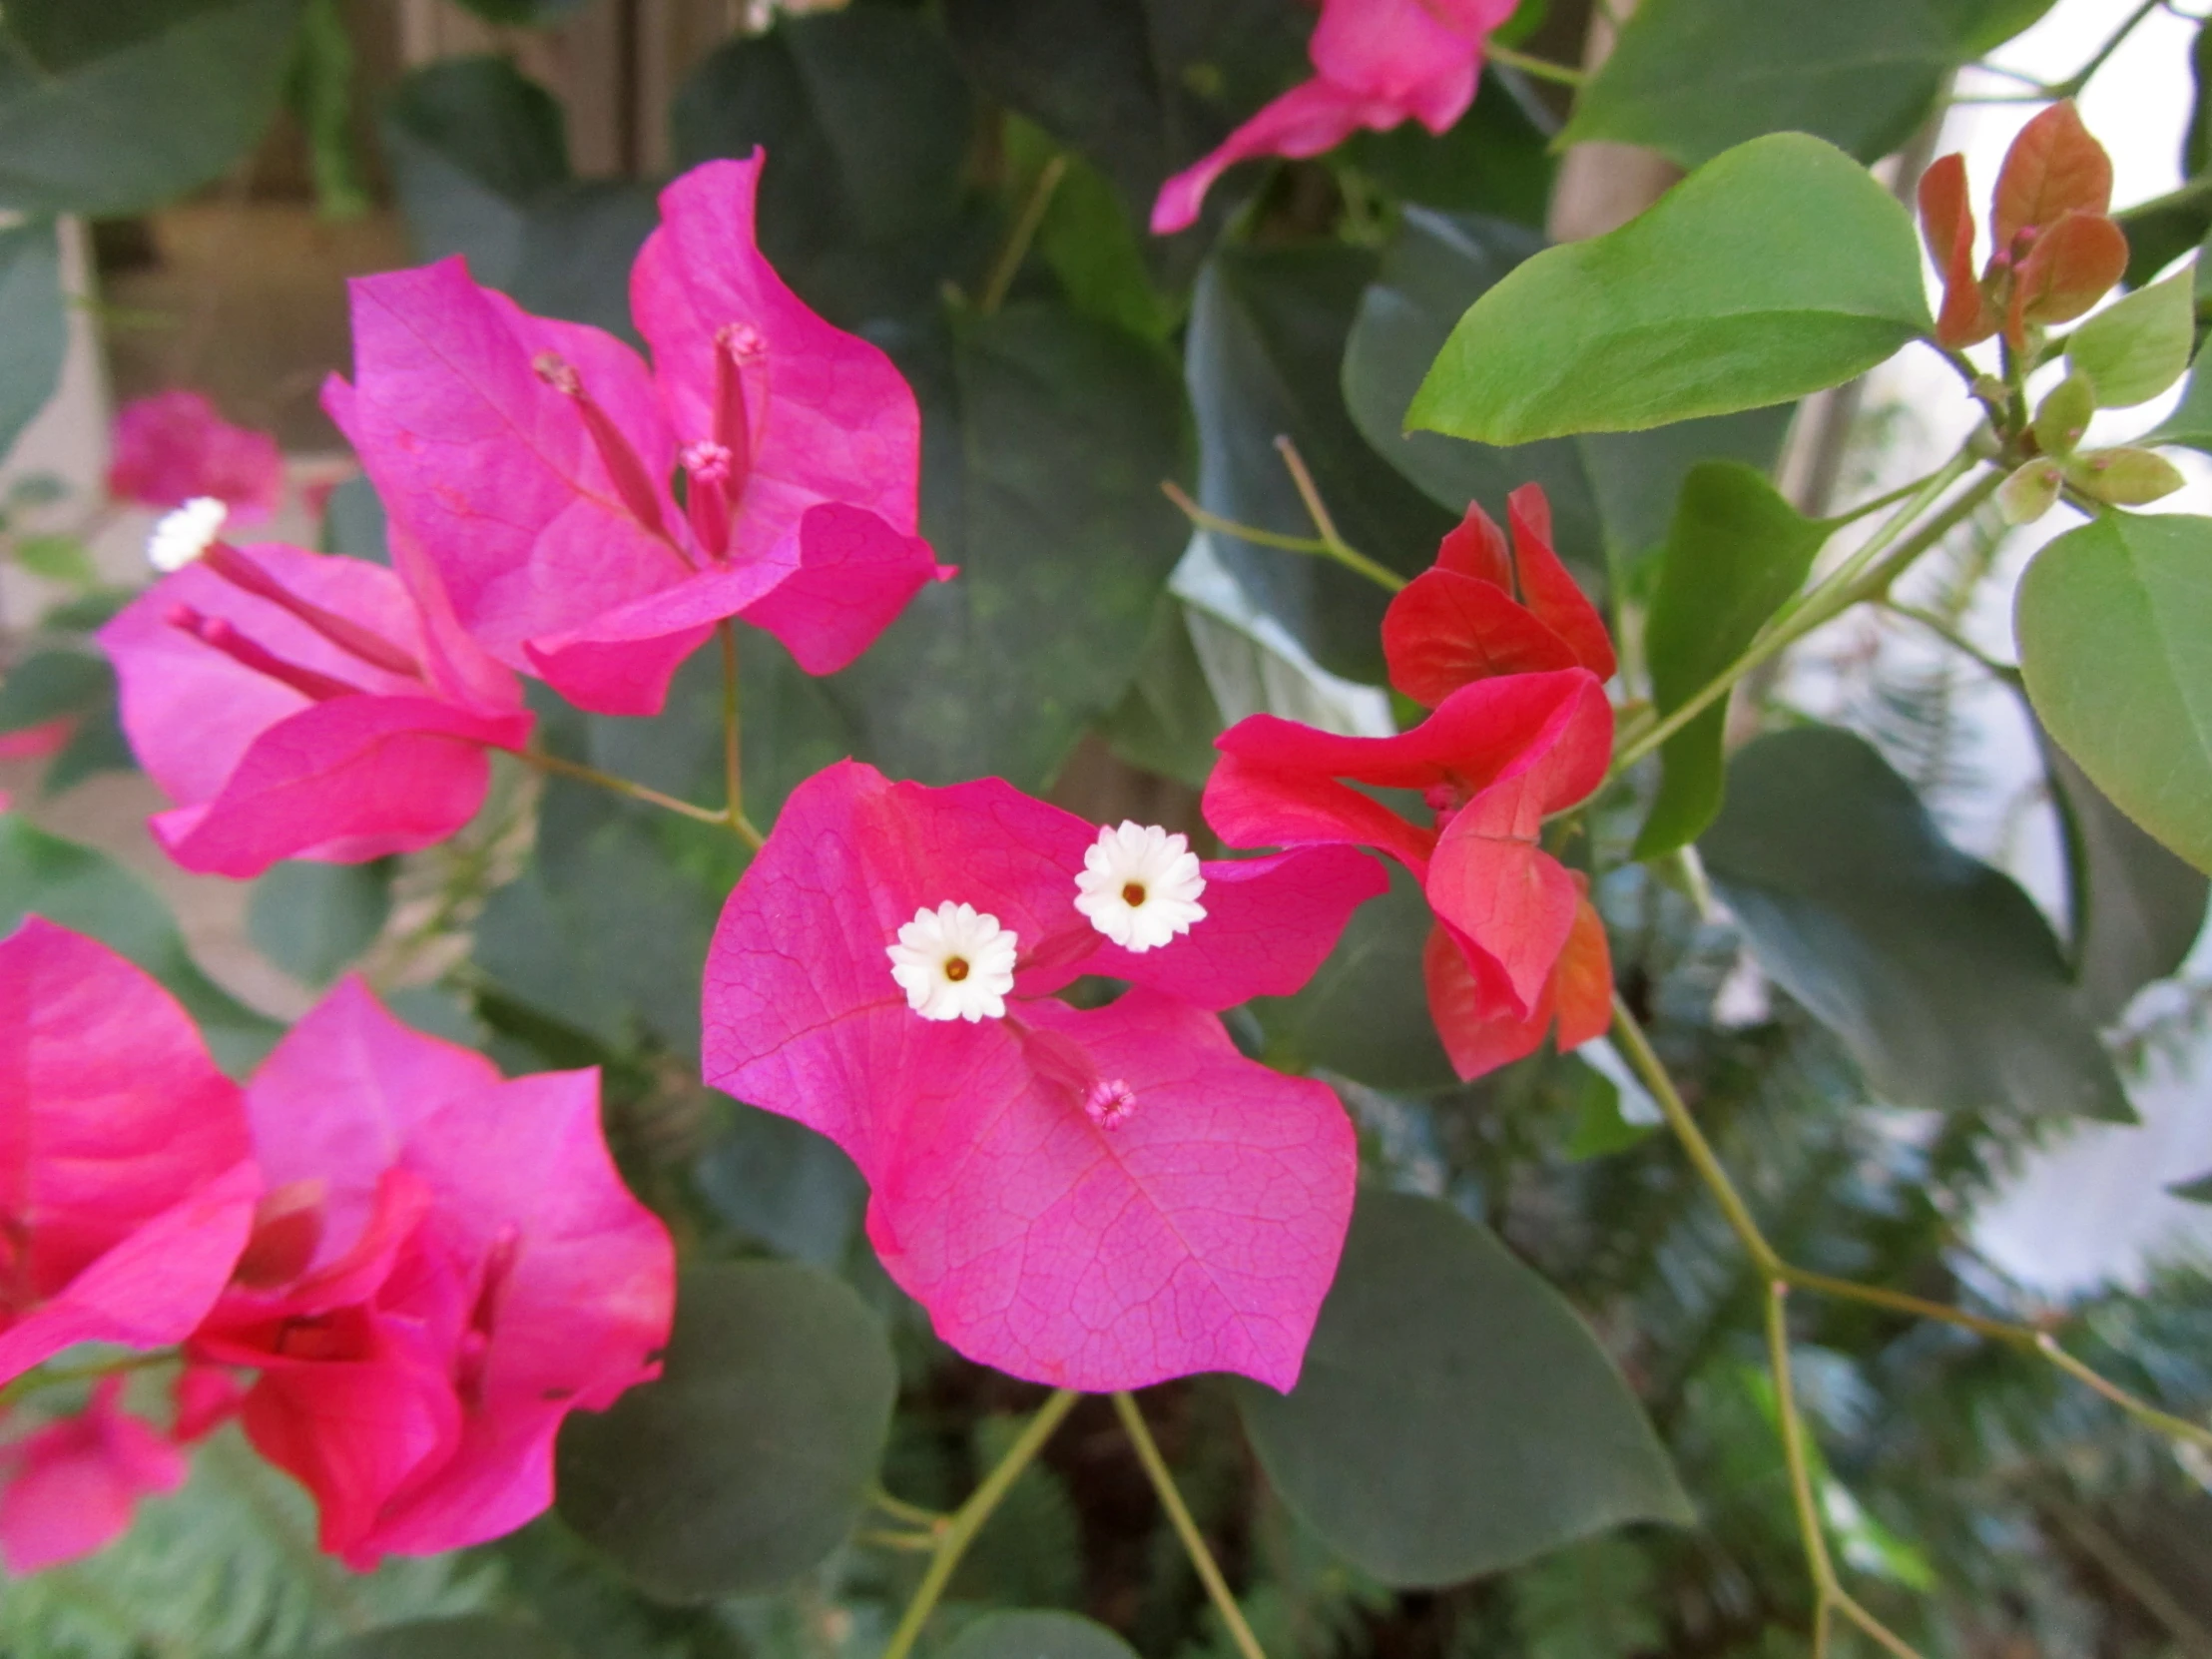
(1828, 1590)
(1541, 68)
(1178, 1514)
(1629, 1034)
(731, 772)
(1008, 264)
(1834, 593)
(1951, 637)
(962, 1526)
(1648, 1066)
(914, 1514)
(1243, 532)
(564, 768)
(1333, 544)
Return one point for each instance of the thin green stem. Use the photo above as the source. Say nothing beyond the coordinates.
(1543, 69)
(1008, 264)
(1179, 1515)
(2082, 77)
(1951, 637)
(1333, 544)
(1874, 583)
(1630, 1034)
(2140, 1409)
(961, 1529)
(881, 1537)
(914, 1514)
(732, 774)
(564, 768)
(1834, 593)
(1828, 1590)
(1243, 532)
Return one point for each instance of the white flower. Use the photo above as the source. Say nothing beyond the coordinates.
(182, 535)
(1140, 886)
(954, 963)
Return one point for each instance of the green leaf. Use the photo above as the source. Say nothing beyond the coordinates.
(1045, 439)
(1496, 159)
(2137, 347)
(1937, 973)
(782, 1184)
(1600, 1127)
(1167, 720)
(868, 124)
(471, 145)
(354, 522)
(312, 919)
(83, 889)
(1690, 78)
(62, 559)
(2123, 477)
(2114, 620)
(1264, 357)
(480, 161)
(1611, 493)
(2197, 1190)
(1593, 1601)
(538, 12)
(1736, 552)
(113, 108)
(1038, 1636)
(479, 1636)
(1088, 239)
(1777, 270)
(50, 685)
(2190, 424)
(748, 1461)
(1143, 87)
(1365, 1012)
(1434, 267)
(1455, 1416)
(2133, 908)
(33, 334)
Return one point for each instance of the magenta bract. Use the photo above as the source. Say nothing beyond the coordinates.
(323, 716)
(67, 1488)
(531, 461)
(126, 1182)
(1376, 63)
(445, 1266)
(172, 447)
(1093, 1198)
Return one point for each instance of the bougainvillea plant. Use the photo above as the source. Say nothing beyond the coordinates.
(1064, 866)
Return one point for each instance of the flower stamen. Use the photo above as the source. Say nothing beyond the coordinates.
(954, 963)
(1140, 886)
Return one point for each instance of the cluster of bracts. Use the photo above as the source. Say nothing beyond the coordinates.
(400, 1270)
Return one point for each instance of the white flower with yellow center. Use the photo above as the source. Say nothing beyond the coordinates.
(955, 963)
(182, 535)
(1140, 886)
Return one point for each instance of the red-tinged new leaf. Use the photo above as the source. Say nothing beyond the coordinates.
(2054, 168)
(1946, 224)
(2072, 265)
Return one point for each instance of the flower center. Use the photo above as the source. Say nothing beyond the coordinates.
(953, 962)
(1139, 886)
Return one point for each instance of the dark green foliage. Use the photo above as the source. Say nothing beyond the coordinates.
(1453, 1417)
(1936, 971)
(748, 1461)
(116, 106)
